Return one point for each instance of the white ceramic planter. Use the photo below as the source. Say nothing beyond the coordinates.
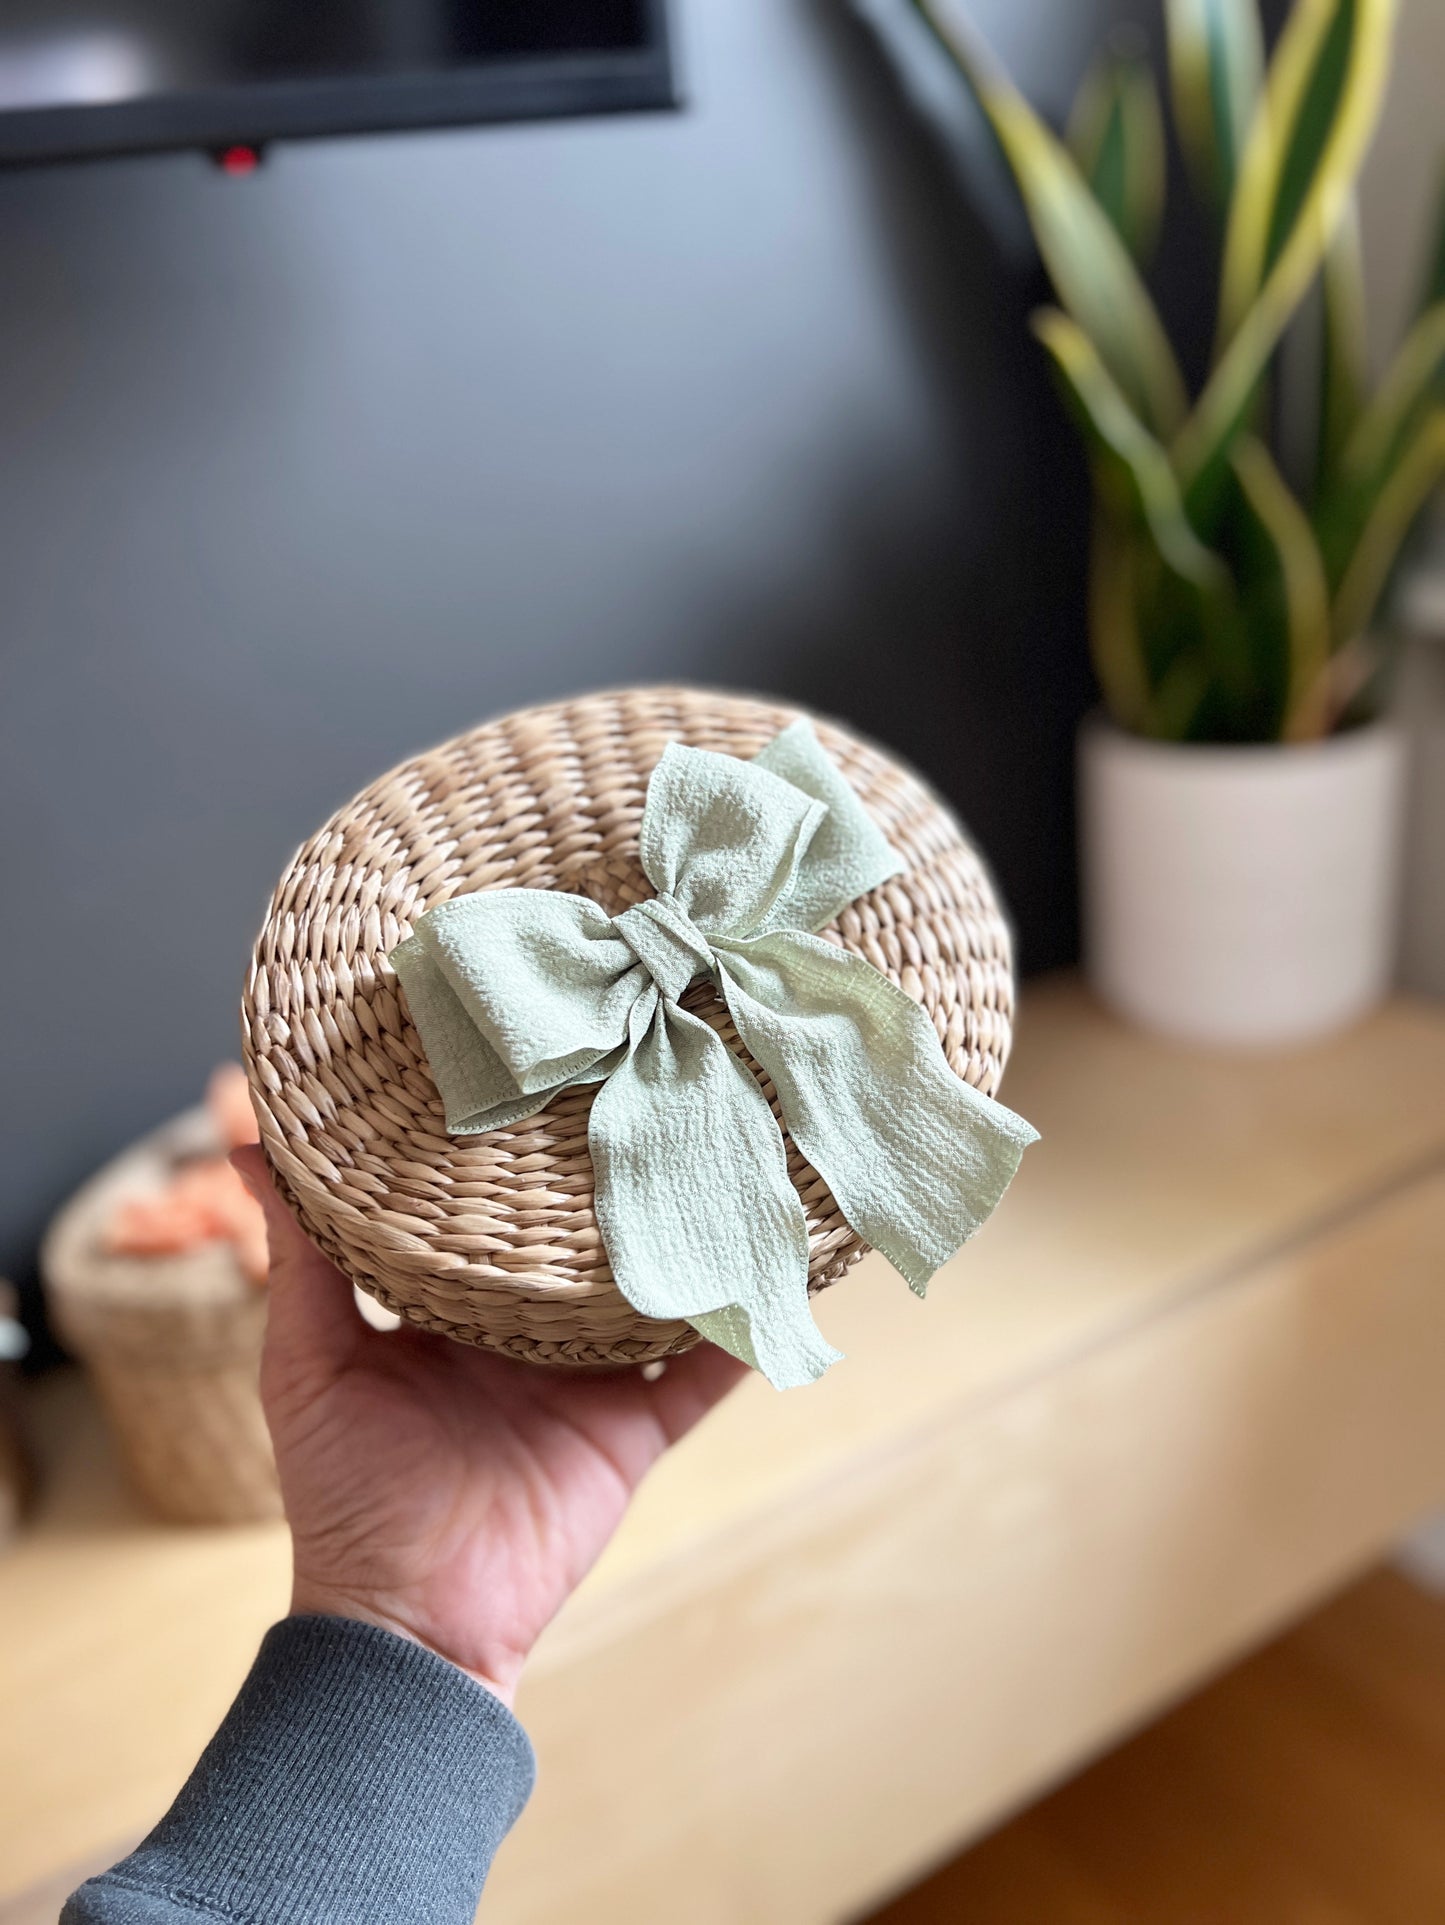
(1244, 896)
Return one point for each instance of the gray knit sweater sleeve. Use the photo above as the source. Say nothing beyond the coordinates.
(356, 1778)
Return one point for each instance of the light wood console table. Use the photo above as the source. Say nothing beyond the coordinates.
(1189, 1379)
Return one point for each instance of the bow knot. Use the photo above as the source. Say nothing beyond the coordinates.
(521, 993)
(667, 942)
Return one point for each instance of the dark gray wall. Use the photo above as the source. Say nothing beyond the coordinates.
(303, 472)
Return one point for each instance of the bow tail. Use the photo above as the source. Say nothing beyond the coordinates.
(915, 1158)
(694, 1202)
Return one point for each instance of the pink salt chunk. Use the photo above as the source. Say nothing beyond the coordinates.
(204, 1202)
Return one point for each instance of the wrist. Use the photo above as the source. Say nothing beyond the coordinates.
(497, 1673)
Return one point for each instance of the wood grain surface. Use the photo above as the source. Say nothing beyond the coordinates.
(1306, 1787)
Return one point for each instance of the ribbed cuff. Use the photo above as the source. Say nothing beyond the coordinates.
(357, 1777)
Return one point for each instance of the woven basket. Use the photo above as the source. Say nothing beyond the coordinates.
(173, 1344)
(14, 1474)
(492, 1239)
(15, 1479)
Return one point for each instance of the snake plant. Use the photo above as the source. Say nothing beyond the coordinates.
(1226, 602)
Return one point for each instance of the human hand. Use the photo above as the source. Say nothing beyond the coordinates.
(443, 1492)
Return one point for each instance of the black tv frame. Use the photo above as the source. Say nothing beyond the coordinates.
(513, 88)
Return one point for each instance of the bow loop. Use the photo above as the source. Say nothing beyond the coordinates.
(848, 854)
(520, 993)
(517, 993)
(724, 839)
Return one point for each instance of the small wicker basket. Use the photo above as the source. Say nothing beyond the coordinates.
(172, 1343)
(492, 1239)
(15, 1478)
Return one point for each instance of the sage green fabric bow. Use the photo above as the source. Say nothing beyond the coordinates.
(521, 993)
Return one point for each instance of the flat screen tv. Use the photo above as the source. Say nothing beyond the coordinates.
(85, 78)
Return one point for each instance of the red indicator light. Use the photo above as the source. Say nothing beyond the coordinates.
(238, 160)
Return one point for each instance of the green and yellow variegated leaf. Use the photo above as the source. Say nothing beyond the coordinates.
(1183, 624)
(1216, 62)
(1116, 135)
(1411, 481)
(1410, 389)
(1129, 460)
(1129, 624)
(1388, 427)
(1344, 349)
(1315, 120)
(1319, 107)
(1092, 272)
(1433, 285)
(1285, 587)
(1115, 639)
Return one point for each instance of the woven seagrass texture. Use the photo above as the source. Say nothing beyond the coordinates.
(15, 1479)
(194, 1441)
(492, 1239)
(172, 1344)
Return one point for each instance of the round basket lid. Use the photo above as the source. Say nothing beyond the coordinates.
(493, 1238)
